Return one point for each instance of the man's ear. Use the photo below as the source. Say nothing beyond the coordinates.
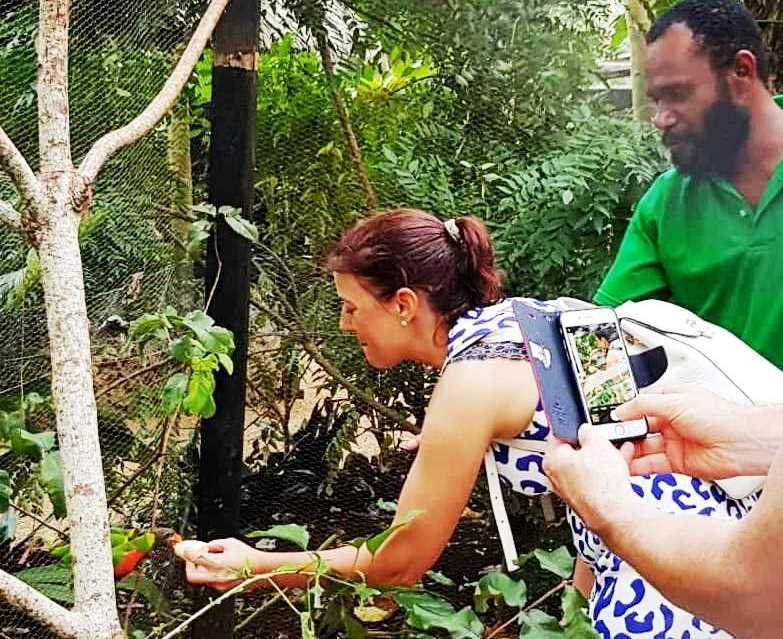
(406, 303)
(745, 66)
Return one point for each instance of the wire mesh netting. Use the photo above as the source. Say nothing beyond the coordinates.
(481, 108)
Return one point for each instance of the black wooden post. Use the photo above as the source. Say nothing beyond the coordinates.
(231, 173)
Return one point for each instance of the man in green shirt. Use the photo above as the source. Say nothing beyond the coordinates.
(708, 235)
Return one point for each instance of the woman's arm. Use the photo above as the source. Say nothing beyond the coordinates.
(473, 403)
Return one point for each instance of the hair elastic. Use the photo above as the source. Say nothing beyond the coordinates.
(453, 230)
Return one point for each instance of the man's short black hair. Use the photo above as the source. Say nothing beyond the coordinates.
(721, 28)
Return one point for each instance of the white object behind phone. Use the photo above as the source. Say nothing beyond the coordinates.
(603, 324)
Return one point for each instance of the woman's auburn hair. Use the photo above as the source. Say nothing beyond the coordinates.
(410, 248)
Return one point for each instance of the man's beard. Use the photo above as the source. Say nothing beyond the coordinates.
(716, 150)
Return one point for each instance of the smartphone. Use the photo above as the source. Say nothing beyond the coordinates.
(602, 369)
(540, 326)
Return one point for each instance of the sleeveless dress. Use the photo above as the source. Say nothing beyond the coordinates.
(622, 605)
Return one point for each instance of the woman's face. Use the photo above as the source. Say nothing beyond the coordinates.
(376, 323)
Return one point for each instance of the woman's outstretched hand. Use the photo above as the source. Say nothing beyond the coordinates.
(222, 564)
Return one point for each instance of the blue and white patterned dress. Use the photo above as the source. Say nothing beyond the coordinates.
(622, 604)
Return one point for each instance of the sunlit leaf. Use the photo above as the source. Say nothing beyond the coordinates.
(289, 532)
(559, 561)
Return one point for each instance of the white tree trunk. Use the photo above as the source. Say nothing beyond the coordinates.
(69, 339)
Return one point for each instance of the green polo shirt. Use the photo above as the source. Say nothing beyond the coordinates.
(701, 245)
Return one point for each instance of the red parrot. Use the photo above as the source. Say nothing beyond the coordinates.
(127, 553)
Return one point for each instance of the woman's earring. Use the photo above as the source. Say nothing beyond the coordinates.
(403, 323)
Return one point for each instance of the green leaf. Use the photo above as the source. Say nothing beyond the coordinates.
(536, 624)
(51, 474)
(147, 589)
(11, 421)
(199, 400)
(620, 32)
(224, 339)
(375, 542)
(440, 578)
(32, 445)
(226, 362)
(289, 532)
(431, 612)
(55, 581)
(496, 586)
(243, 227)
(174, 392)
(559, 561)
(185, 348)
(388, 506)
(5, 490)
(142, 327)
(576, 621)
(353, 629)
(307, 626)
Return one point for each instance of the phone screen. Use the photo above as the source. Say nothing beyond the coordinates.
(602, 367)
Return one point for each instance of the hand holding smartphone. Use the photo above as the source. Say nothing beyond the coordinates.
(602, 369)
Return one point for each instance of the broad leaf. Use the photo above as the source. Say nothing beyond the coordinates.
(5, 490)
(243, 227)
(440, 578)
(576, 621)
(32, 445)
(199, 400)
(51, 474)
(441, 615)
(174, 392)
(56, 581)
(11, 421)
(375, 542)
(185, 348)
(496, 586)
(536, 624)
(226, 362)
(289, 532)
(559, 561)
(147, 589)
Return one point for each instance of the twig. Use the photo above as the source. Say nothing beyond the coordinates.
(127, 378)
(217, 275)
(40, 521)
(227, 595)
(161, 456)
(542, 598)
(318, 357)
(22, 175)
(155, 110)
(9, 215)
(279, 595)
(145, 467)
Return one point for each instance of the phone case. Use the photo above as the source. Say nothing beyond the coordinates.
(555, 380)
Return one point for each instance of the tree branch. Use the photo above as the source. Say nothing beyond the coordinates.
(64, 622)
(20, 172)
(160, 105)
(9, 215)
